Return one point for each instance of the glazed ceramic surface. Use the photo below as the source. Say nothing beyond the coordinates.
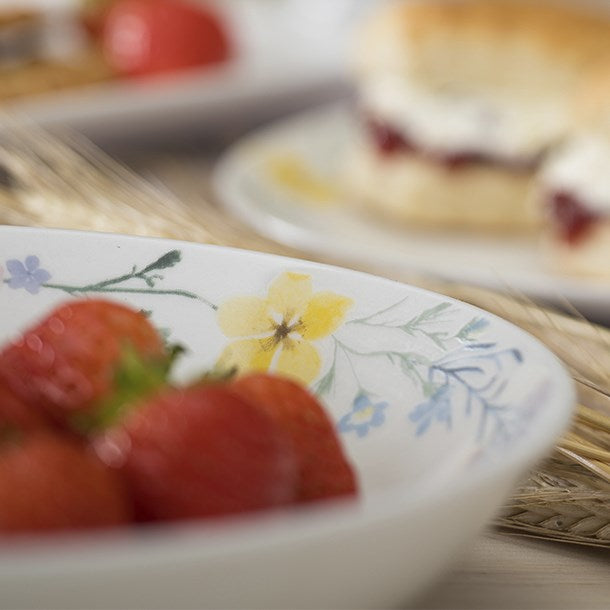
(441, 407)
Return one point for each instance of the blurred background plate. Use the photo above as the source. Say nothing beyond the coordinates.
(288, 54)
(209, 102)
(283, 180)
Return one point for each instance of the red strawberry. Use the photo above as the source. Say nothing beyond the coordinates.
(48, 482)
(198, 452)
(74, 359)
(324, 471)
(144, 37)
(16, 416)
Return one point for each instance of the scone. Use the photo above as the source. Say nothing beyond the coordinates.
(574, 187)
(460, 103)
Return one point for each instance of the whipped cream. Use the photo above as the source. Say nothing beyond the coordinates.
(582, 168)
(511, 128)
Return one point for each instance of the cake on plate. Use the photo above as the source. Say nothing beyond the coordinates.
(460, 103)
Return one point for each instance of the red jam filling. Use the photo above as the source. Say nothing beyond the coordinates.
(390, 141)
(572, 219)
(387, 140)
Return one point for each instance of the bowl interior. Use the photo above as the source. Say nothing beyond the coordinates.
(420, 386)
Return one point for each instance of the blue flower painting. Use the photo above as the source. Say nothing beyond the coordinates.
(364, 415)
(437, 407)
(28, 275)
(473, 378)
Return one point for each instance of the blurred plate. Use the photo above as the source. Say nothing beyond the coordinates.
(441, 408)
(213, 101)
(287, 56)
(308, 150)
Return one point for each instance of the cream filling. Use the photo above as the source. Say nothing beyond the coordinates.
(582, 168)
(447, 121)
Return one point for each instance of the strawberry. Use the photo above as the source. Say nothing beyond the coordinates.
(16, 416)
(324, 470)
(200, 451)
(81, 356)
(147, 37)
(48, 482)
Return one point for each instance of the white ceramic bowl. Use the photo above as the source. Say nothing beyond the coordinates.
(441, 408)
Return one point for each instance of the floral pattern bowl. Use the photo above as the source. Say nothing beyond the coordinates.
(441, 407)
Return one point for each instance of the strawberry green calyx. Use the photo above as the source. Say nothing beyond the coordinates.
(136, 378)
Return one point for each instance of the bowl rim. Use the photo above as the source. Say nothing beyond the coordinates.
(112, 550)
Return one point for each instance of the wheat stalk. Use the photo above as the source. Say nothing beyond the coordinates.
(66, 182)
(561, 500)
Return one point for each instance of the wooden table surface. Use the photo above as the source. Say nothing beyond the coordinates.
(503, 572)
(498, 571)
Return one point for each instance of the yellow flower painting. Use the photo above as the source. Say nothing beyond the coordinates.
(278, 332)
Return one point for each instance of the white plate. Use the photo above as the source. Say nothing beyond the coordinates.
(441, 408)
(318, 139)
(210, 101)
